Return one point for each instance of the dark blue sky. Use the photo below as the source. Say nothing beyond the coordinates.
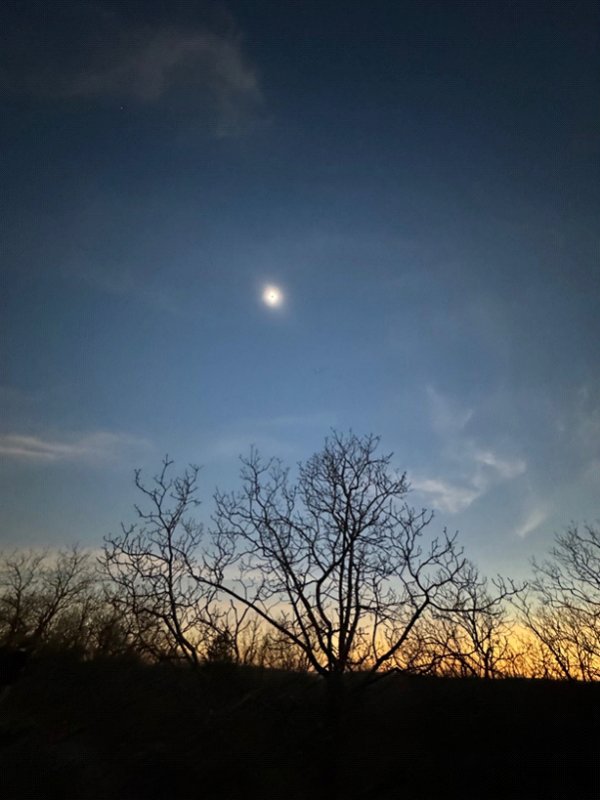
(420, 179)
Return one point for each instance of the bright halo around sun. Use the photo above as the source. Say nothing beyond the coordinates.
(272, 296)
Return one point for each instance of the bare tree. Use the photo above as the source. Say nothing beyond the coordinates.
(476, 639)
(150, 563)
(562, 609)
(40, 590)
(336, 562)
(277, 651)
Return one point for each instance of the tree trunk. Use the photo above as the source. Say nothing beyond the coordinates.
(335, 710)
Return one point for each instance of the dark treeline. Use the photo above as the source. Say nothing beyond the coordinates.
(64, 601)
(331, 573)
(233, 662)
(122, 729)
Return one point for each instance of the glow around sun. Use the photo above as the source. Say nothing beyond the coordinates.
(272, 296)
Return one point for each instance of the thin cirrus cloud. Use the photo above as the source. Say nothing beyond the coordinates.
(93, 448)
(504, 468)
(207, 71)
(475, 469)
(163, 60)
(447, 418)
(444, 495)
(533, 520)
(481, 470)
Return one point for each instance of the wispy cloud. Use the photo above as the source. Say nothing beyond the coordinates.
(533, 519)
(477, 474)
(445, 496)
(474, 468)
(206, 72)
(159, 62)
(93, 448)
(489, 464)
(447, 418)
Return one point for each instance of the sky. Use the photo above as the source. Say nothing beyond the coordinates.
(421, 182)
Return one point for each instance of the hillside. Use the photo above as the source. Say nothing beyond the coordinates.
(92, 731)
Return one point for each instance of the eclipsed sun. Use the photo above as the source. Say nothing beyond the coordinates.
(272, 296)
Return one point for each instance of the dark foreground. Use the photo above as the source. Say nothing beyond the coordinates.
(79, 731)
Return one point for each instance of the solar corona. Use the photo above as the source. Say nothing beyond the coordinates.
(272, 296)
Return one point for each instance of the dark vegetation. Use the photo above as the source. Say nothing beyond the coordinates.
(12, 663)
(315, 642)
(118, 729)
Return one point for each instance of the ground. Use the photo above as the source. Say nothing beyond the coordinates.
(104, 730)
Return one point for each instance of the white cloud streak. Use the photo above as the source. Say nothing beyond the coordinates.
(93, 448)
(505, 467)
(153, 63)
(207, 73)
(444, 495)
(475, 469)
(532, 521)
(478, 475)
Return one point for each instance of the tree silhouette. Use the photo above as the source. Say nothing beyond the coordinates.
(43, 595)
(149, 564)
(336, 561)
(475, 640)
(562, 609)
